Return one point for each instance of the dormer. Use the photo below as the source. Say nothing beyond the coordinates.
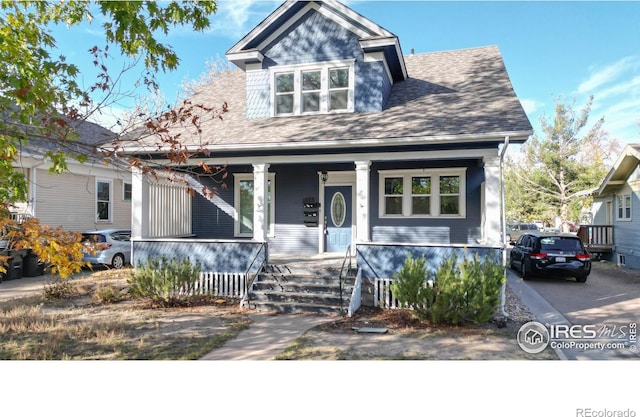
(317, 57)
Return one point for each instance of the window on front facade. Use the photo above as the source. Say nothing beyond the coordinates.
(284, 93)
(313, 89)
(126, 191)
(103, 200)
(422, 193)
(244, 205)
(624, 207)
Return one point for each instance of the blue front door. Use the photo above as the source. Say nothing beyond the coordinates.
(337, 203)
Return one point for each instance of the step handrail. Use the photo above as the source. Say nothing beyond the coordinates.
(347, 257)
(249, 280)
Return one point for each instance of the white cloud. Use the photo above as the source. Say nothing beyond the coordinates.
(530, 105)
(235, 18)
(607, 74)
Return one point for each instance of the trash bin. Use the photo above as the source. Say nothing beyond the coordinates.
(14, 269)
(31, 265)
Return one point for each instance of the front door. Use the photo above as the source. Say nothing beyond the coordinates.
(337, 213)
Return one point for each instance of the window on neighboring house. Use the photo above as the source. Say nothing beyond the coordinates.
(314, 89)
(103, 200)
(624, 207)
(423, 193)
(126, 191)
(243, 199)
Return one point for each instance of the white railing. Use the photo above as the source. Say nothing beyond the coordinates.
(169, 209)
(221, 284)
(382, 296)
(356, 295)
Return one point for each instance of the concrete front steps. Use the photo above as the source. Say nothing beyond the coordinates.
(309, 285)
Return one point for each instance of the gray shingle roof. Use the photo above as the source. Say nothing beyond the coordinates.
(460, 93)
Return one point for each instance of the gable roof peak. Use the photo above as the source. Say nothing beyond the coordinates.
(373, 37)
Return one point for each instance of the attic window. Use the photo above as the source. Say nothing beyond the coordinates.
(313, 89)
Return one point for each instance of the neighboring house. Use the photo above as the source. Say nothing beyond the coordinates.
(616, 211)
(335, 139)
(87, 196)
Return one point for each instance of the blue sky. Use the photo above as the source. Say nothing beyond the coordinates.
(551, 49)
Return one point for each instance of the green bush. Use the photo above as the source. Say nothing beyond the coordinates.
(164, 281)
(462, 291)
(411, 287)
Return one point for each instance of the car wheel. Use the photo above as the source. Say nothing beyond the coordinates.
(523, 271)
(582, 278)
(118, 261)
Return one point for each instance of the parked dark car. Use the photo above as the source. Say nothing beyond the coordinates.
(514, 231)
(561, 255)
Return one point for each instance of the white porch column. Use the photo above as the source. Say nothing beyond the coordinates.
(492, 201)
(362, 201)
(139, 204)
(260, 201)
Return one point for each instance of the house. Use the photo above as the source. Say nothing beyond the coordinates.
(337, 142)
(616, 212)
(86, 196)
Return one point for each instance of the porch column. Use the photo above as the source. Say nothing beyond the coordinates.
(260, 201)
(492, 201)
(139, 204)
(362, 201)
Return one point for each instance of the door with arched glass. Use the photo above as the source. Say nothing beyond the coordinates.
(338, 218)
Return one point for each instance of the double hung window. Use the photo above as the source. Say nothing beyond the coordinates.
(313, 89)
(624, 207)
(422, 193)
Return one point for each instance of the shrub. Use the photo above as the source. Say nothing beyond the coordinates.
(58, 289)
(165, 282)
(411, 287)
(107, 294)
(466, 290)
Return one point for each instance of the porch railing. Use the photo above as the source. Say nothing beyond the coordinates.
(251, 278)
(346, 262)
(596, 238)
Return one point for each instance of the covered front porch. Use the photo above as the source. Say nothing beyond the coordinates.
(351, 207)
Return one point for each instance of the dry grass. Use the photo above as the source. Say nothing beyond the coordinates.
(97, 320)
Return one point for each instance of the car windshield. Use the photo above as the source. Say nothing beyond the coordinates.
(557, 243)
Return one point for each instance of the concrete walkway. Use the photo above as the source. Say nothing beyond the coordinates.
(267, 337)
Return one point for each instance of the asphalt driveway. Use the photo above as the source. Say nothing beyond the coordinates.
(609, 302)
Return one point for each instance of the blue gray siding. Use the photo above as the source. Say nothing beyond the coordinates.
(258, 88)
(432, 231)
(383, 261)
(313, 39)
(214, 256)
(626, 232)
(211, 221)
(316, 39)
(372, 87)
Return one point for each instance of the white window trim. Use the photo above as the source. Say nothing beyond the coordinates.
(124, 184)
(624, 207)
(110, 215)
(324, 68)
(435, 175)
(236, 204)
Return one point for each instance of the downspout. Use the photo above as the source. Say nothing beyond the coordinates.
(503, 226)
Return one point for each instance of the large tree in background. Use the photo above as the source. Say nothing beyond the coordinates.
(41, 97)
(549, 178)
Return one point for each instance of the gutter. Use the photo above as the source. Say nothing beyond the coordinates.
(503, 226)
